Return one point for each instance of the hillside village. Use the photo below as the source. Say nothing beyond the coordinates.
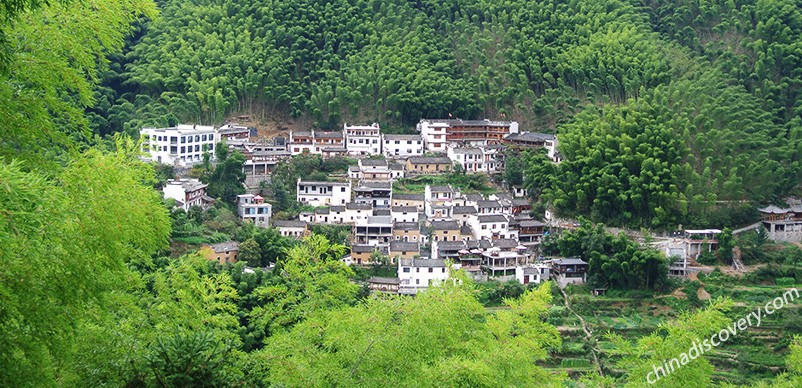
(423, 234)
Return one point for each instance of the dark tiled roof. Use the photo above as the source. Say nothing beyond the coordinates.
(406, 226)
(407, 209)
(450, 245)
(225, 246)
(531, 223)
(358, 206)
(329, 135)
(371, 185)
(363, 248)
(506, 243)
(429, 160)
(492, 218)
(488, 204)
(445, 225)
(381, 280)
(289, 224)
(401, 246)
(530, 136)
(373, 162)
(409, 197)
(423, 263)
(335, 209)
(441, 189)
(381, 212)
(464, 210)
(390, 136)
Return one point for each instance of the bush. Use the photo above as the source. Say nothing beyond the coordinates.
(785, 282)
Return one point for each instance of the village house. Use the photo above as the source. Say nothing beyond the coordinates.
(436, 133)
(520, 205)
(402, 146)
(405, 199)
(569, 271)
(533, 140)
(252, 208)
(233, 132)
(491, 227)
(406, 231)
(362, 254)
(461, 214)
(439, 201)
(417, 275)
(261, 160)
(222, 253)
(500, 261)
(357, 212)
(187, 193)
(376, 193)
(519, 192)
(403, 250)
(301, 142)
(476, 159)
(782, 224)
(323, 193)
(384, 285)
(489, 207)
(404, 214)
(182, 145)
(445, 231)
(536, 273)
(530, 232)
(294, 229)
(427, 165)
(374, 169)
(363, 140)
(374, 231)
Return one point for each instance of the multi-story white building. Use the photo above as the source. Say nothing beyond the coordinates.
(182, 145)
(363, 139)
(417, 275)
(323, 193)
(188, 192)
(433, 135)
(376, 193)
(476, 159)
(374, 231)
(402, 146)
(437, 133)
(491, 227)
(254, 209)
(404, 214)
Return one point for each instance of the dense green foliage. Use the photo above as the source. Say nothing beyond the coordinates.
(616, 262)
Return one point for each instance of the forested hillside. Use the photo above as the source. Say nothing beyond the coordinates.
(666, 111)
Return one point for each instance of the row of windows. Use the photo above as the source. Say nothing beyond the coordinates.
(399, 142)
(362, 141)
(417, 269)
(184, 139)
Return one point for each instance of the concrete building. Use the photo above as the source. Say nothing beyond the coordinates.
(569, 271)
(252, 208)
(404, 214)
(363, 140)
(374, 231)
(437, 133)
(294, 229)
(187, 193)
(376, 193)
(476, 159)
(535, 273)
(782, 224)
(317, 193)
(405, 199)
(404, 250)
(406, 231)
(402, 146)
(417, 275)
(182, 145)
(426, 165)
(222, 253)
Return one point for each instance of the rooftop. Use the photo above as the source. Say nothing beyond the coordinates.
(492, 218)
(405, 209)
(405, 226)
(445, 225)
(464, 210)
(409, 197)
(429, 160)
(424, 263)
(569, 261)
(388, 136)
(225, 246)
(401, 246)
(373, 162)
(289, 224)
(358, 206)
(381, 280)
(530, 137)
(188, 184)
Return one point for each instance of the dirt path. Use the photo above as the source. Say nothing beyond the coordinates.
(588, 334)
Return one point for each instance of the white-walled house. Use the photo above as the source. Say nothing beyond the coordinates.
(182, 145)
(188, 192)
(433, 135)
(491, 227)
(476, 159)
(253, 208)
(317, 193)
(536, 273)
(402, 146)
(417, 275)
(404, 214)
(363, 139)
